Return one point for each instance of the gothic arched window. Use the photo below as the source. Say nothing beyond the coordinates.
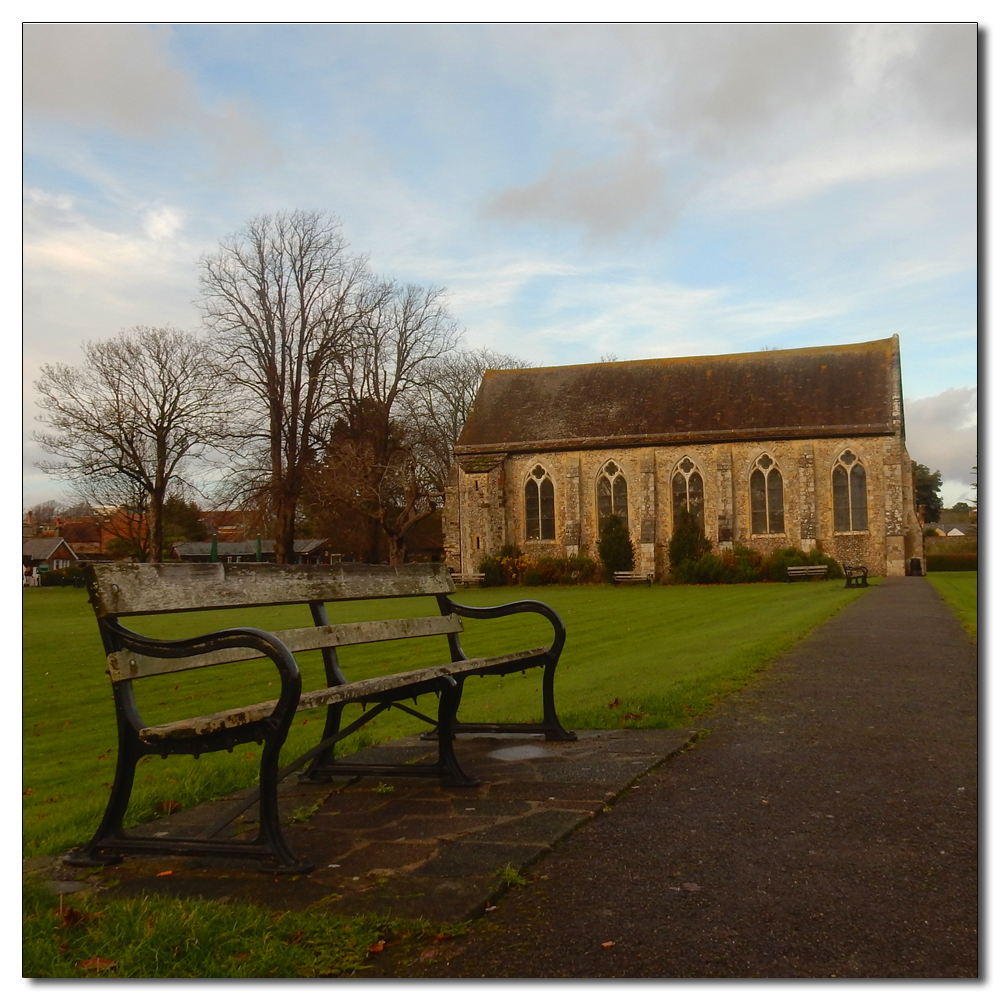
(612, 495)
(688, 491)
(767, 501)
(539, 506)
(850, 494)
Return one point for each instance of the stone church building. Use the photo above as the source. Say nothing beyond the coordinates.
(796, 447)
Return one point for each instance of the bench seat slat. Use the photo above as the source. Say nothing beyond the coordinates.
(152, 588)
(808, 570)
(373, 688)
(130, 666)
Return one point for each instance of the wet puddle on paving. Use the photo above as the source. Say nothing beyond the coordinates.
(525, 752)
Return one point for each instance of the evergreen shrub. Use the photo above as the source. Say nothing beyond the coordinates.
(615, 547)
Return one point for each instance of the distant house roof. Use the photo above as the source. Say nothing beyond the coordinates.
(303, 546)
(835, 391)
(43, 548)
(82, 531)
(953, 530)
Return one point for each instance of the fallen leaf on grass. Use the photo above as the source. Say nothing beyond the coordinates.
(376, 947)
(167, 807)
(430, 954)
(615, 703)
(607, 944)
(634, 715)
(100, 964)
(71, 917)
(240, 955)
(28, 791)
(169, 871)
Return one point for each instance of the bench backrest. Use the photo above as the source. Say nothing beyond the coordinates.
(123, 589)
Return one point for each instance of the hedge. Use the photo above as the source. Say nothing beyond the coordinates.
(950, 562)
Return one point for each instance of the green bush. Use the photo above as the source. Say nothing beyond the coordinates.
(71, 576)
(509, 568)
(952, 562)
(493, 574)
(615, 547)
(777, 563)
(743, 565)
(688, 542)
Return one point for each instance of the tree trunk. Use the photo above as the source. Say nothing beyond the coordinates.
(284, 532)
(155, 517)
(397, 549)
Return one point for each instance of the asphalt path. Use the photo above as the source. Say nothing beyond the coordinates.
(825, 826)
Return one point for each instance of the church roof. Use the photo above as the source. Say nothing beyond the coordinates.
(845, 390)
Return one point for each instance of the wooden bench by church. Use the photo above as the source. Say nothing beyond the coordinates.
(855, 576)
(807, 572)
(120, 590)
(632, 576)
(468, 579)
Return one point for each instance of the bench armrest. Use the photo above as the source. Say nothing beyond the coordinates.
(120, 639)
(448, 606)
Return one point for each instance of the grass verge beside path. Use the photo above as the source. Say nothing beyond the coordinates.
(961, 592)
(159, 937)
(635, 656)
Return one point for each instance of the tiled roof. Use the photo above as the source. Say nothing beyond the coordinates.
(42, 548)
(809, 392)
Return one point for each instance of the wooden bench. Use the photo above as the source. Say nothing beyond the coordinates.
(632, 576)
(120, 590)
(855, 576)
(807, 573)
(468, 579)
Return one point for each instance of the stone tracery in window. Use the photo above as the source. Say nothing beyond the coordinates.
(850, 494)
(767, 502)
(688, 491)
(612, 495)
(539, 506)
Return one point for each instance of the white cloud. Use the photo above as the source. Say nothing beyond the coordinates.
(125, 79)
(117, 76)
(741, 116)
(942, 433)
(162, 223)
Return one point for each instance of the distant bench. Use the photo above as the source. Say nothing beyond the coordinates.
(633, 576)
(855, 576)
(807, 573)
(119, 590)
(468, 579)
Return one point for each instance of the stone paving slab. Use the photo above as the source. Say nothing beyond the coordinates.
(404, 846)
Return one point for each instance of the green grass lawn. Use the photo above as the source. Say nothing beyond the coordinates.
(961, 591)
(635, 656)
(160, 937)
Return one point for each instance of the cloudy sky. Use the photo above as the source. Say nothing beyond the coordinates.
(580, 190)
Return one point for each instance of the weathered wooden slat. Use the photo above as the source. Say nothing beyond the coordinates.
(374, 689)
(158, 588)
(130, 666)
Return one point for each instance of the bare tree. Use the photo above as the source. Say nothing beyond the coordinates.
(443, 400)
(44, 512)
(132, 418)
(282, 296)
(371, 463)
